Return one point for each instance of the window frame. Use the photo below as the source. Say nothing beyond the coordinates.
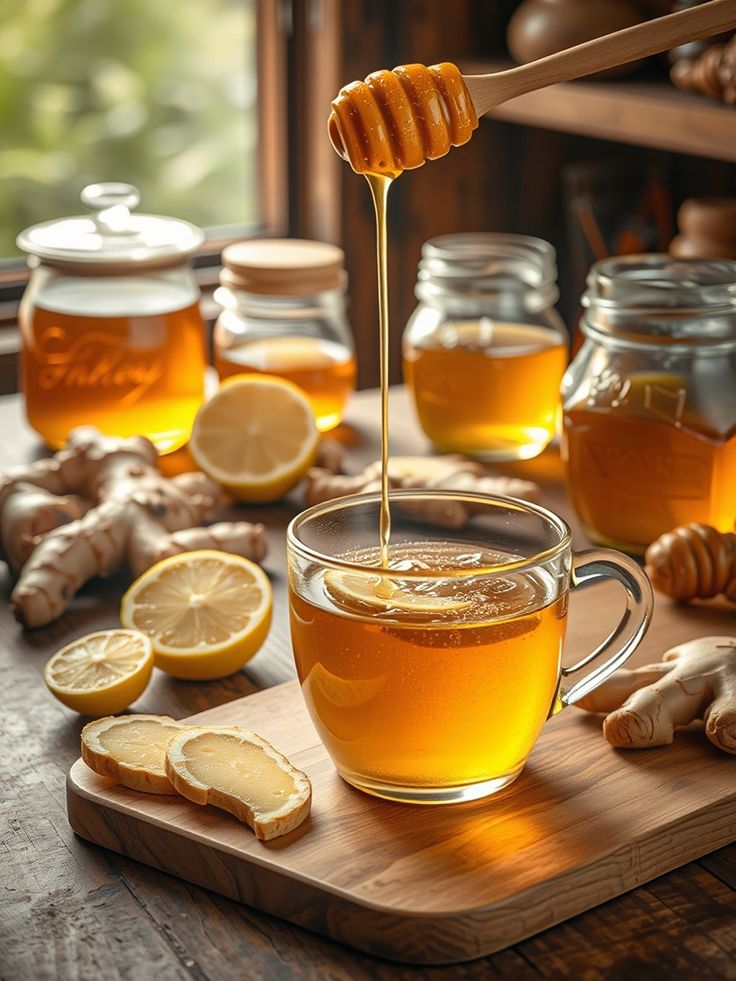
(273, 18)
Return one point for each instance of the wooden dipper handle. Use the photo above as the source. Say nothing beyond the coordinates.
(602, 53)
(396, 120)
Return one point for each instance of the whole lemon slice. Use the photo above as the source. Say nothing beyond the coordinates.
(102, 673)
(256, 436)
(379, 593)
(206, 613)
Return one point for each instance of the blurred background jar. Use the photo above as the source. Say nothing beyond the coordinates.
(649, 435)
(542, 27)
(110, 325)
(284, 314)
(484, 351)
(707, 229)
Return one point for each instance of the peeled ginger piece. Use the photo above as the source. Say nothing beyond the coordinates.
(236, 770)
(131, 749)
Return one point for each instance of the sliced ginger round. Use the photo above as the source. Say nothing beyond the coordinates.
(256, 436)
(206, 613)
(131, 749)
(236, 770)
(102, 673)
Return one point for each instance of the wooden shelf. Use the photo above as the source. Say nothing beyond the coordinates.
(644, 113)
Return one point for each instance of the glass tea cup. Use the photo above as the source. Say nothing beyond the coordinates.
(429, 681)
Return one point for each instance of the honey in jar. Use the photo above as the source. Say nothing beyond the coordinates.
(110, 323)
(485, 351)
(649, 434)
(489, 389)
(284, 314)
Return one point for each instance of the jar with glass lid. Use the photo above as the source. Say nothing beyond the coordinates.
(110, 325)
(284, 314)
(649, 434)
(485, 350)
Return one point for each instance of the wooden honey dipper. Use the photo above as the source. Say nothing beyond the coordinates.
(395, 120)
(693, 561)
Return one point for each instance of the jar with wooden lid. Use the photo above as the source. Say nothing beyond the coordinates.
(110, 325)
(485, 350)
(649, 434)
(284, 314)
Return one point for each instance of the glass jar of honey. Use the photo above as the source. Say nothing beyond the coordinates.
(485, 350)
(284, 314)
(110, 325)
(649, 433)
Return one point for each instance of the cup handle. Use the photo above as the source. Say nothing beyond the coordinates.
(591, 566)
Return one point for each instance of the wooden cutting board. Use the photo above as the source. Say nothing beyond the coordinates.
(427, 885)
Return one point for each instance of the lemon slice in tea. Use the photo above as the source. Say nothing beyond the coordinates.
(379, 592)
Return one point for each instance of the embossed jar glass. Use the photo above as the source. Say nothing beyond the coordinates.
(649, 433)
(110, 325)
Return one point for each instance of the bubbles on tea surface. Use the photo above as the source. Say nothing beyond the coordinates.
(450, 600)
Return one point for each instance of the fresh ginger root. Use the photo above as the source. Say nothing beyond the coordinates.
(693, 561)
(99, 503)
(330, 455)
(696, 680)
(452, 472)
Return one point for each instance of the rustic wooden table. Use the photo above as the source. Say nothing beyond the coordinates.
(72, 910)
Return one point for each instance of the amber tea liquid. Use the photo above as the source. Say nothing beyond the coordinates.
(426, 698)
(90, 360)
(488, 389)
(324, 370)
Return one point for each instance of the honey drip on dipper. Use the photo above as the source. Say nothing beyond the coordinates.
(396, 120)
(391, 122)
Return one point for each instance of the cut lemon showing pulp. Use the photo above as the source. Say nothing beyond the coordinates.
(256, 436)
(102, 673)
(381, 594)
(131, 749)
(206, 613)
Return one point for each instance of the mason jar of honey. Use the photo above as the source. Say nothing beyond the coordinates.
(649, 434)
(110, 325)
(284, 314)
(485, 350)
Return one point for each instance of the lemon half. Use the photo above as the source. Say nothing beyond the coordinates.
(102, 673)
(256, 436)
(206, 613)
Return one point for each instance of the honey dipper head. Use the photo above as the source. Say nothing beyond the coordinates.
(395, 120)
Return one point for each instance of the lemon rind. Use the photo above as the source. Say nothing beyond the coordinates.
(258, 625)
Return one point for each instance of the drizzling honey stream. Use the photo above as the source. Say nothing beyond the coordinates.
(391, 122)
(380, 185)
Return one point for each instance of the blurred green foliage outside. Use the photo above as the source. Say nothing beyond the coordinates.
(157, 93)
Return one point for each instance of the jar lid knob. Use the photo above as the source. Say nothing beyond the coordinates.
(99, 197)
(111, 204)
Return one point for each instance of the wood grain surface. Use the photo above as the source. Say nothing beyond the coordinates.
(442, 884)
(72, 910)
